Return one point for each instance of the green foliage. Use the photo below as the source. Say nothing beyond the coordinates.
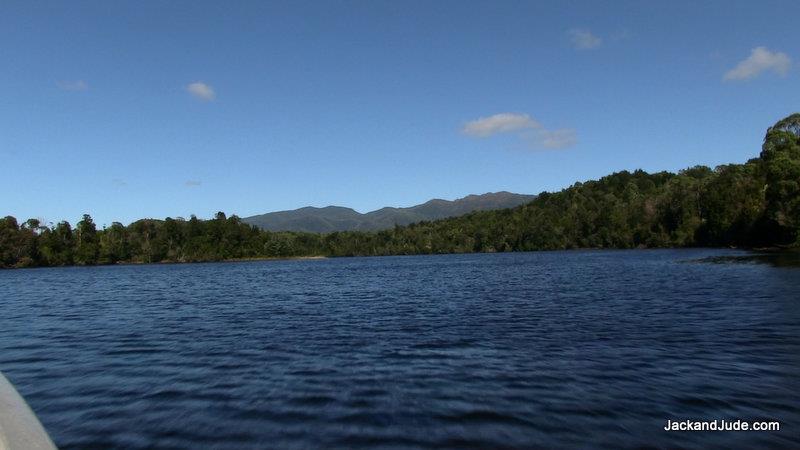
(87, 250)
(752, 204)
(14, 243)
(56, 245)
(780, 156)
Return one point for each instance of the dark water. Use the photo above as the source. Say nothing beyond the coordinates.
(537, 350)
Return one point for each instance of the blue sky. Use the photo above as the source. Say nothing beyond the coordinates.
(127, 110)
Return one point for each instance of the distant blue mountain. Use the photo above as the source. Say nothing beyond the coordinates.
(338, 218)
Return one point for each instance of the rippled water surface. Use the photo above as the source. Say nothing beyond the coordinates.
(528, 350)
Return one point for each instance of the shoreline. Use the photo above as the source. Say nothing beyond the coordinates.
(230, 260)
(756, 251)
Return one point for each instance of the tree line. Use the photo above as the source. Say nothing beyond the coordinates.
(756, 204)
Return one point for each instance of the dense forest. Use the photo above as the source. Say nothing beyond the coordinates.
(756, 204)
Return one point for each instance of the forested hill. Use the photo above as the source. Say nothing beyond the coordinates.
(337, 218)
(751, 204)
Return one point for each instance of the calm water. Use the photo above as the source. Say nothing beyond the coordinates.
(553, 350)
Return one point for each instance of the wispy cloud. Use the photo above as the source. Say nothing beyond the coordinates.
(200, 90)
(557, 139)
(192, 183)
(529, 130)
(499, 123)
(621, 35)
(584, 39)
(119, 182)
(760, 60)
(72, 85)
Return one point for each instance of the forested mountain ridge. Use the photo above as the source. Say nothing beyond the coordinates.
(337, 218)
(750, 205)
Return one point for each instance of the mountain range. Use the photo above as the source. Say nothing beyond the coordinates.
(338, 218)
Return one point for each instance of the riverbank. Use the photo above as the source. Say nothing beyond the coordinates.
(168, 262)
(787, 257)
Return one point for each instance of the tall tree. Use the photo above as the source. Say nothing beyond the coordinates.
(87, 251)
(780, 156)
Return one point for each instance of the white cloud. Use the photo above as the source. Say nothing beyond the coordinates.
(499, 123)
(759, 61)
(193, 183)
(584, 39)
(533, 133)
(76, 85)
(202, 91)
(557, 139)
